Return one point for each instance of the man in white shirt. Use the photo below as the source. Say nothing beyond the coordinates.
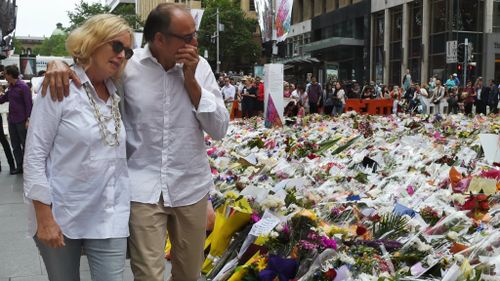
(170, 98)
(228, 92)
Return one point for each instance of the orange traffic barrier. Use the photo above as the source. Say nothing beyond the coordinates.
(372, 107)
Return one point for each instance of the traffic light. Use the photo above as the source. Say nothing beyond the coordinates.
(459, 67)
(460, 53)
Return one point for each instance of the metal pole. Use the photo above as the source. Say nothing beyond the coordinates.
(466, 60)
(217, 35)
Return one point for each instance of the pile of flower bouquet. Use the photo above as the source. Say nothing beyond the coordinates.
(355, 198)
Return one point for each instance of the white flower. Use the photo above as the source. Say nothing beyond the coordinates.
(274, 234)
(452, 235)
(346, 258)
(279, 227)
(421, 246)
(459, 198)
(272, 202)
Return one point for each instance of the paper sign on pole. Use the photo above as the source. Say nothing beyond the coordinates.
(273, 95)
(197, 15)
(451, 51)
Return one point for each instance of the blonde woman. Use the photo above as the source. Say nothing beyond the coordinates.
(76, 175)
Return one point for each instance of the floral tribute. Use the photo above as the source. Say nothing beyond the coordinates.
(355, 198)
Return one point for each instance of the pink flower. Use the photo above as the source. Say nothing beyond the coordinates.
(211, 151)
(255, 217)
(286, 229)
(312, 235)
(328, 243)
(306, 245)
(410, 190)
(491, 174)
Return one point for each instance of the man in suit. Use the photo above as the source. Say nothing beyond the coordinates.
(481, 96)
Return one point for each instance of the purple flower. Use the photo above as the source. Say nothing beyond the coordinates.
(306, 245)
(312, 236)
(328, 243)
(286, 229)
(335, 212)
(255, 217)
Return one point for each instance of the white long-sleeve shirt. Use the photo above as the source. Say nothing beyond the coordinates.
(165, 141)
(68, 166)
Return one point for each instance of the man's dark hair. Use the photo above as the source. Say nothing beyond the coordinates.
(12, 70)
(40, 73)
(159, 19)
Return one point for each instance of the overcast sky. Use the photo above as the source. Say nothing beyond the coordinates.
(39, 17)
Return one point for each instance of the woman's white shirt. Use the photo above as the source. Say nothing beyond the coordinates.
(68, 166)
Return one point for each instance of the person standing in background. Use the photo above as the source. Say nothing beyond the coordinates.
(406, 83)
(314, 93)
(20, 103)
(6, 144)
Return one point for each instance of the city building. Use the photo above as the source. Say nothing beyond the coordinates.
(329, 39)
(143, 7)
(414, 35)
(8, 14)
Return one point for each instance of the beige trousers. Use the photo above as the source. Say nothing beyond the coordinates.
(186, 228)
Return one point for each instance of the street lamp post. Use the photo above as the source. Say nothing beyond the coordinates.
(217, 38)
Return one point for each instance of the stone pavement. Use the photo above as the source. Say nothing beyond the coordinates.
(19, 258)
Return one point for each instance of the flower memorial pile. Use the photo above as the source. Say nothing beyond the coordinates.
(355, 198)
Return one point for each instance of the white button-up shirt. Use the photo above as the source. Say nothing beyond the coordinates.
(67, 165)
(229, 92)
(165, 133)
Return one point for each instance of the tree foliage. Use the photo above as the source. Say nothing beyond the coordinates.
(238, 47)
(52, 46)
(18, 46)
(83, 11)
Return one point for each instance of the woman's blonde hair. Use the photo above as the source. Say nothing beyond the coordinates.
(83, 41)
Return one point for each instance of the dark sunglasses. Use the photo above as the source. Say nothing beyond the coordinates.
(118, 48)
(186, 38)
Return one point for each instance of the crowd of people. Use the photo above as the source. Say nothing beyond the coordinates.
(244, 98)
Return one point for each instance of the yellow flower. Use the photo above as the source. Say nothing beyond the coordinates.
(308, 214)
(261, 263)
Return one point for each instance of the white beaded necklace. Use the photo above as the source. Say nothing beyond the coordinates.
(107, 137)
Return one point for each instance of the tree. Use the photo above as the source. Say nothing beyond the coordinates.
(238, 47)
(83, 11)
(18, 46)
(52, 46)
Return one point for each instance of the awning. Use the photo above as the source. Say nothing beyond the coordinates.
(332, 42)
(298, 59)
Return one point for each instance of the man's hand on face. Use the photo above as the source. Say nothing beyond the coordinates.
(57, 78)
(188, 56)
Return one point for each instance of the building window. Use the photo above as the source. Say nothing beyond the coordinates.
(439, 16)
(379, 47)
(469, 15)
(251, 6)
(496, 16)
(415, 44)
(395, 46)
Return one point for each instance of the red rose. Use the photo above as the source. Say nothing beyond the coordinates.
(331, 274)
(484, 206)
(481, 197)
(360, 230)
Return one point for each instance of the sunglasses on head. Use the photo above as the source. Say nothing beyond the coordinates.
(118, 47)
(186, 38)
